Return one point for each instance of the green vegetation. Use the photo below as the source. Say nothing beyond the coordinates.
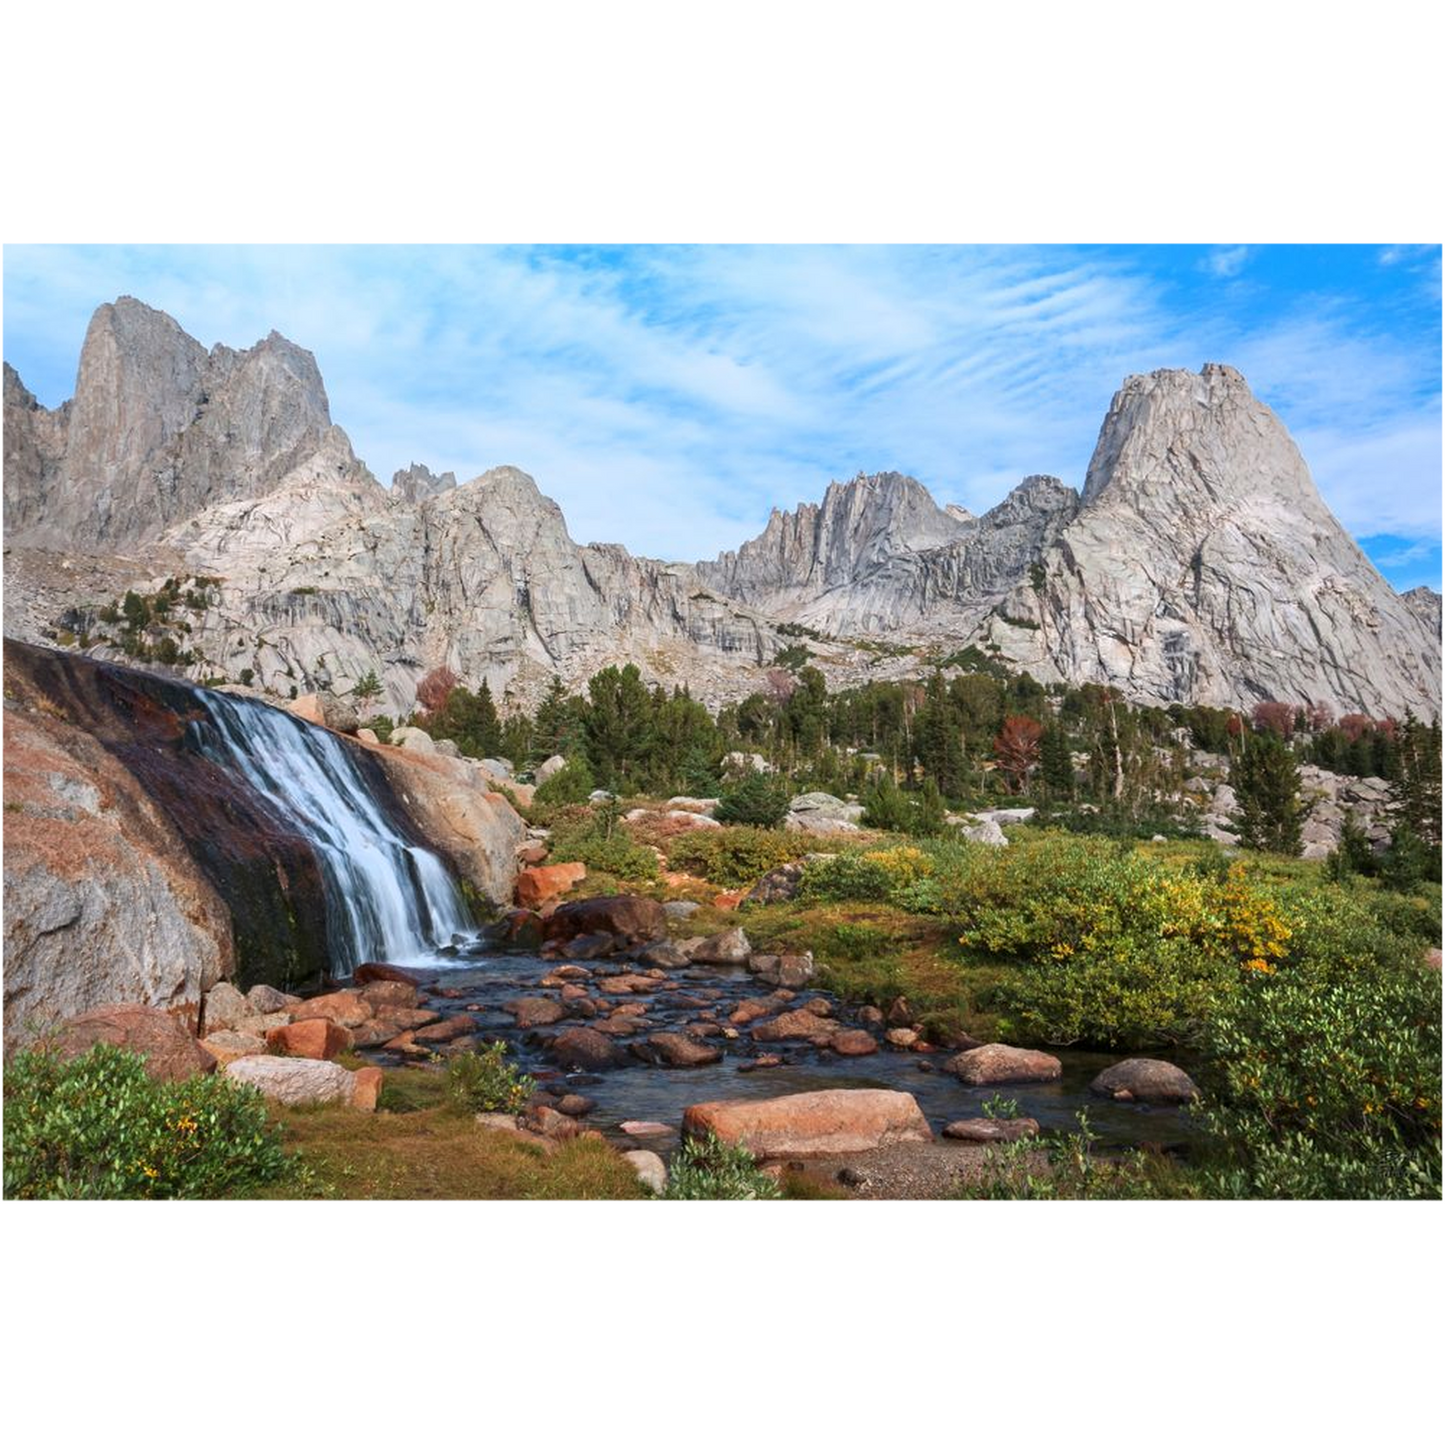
(706, 1168)
(732, 857)
(1265, 778)
(756, 800)
(483, 1081)
(595, 837)
(99, 1127)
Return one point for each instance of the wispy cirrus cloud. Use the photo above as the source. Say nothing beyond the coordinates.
(668, 397)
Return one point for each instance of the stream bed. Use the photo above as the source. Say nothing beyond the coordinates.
(708, 994)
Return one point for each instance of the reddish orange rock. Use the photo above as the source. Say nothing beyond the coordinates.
(345, 1008)
(169, 1047)
(824, 1121)
(368, 1089)
(729, 901)
(536, 886)
(318, 1038)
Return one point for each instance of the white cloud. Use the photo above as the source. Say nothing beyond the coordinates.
(1227, 262)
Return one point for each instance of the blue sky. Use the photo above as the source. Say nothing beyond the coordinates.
(668, 397)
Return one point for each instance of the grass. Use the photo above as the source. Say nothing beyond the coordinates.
(417, 1147)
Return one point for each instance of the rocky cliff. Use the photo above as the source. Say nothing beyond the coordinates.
(1199, 563)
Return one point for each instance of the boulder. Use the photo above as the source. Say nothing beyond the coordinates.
(450, 805)
(680, 908)
(1145, 1081)
(991, 1131)
(787, 970)
(592, 945)
(663, 954)
(170, 1049)
(986, 831)
(325, 709)
(650, 1168)
(822, 813)
(693, 805)
(550, 768)
(346, 1008)
(446, 748)
(314, 1038)
(585, 1049)
(826, 1121)
(633, 919)
(675, 1051)
(778, 886)
(456, 1027)
(295, 1081)
(799, 1024)
(103, 902)
(267, 1000)
(384, 972)
(1002, 1064)
(367, 1092)
(853, 1043)
(731, 946)
(227, 1044)
(226, 1007)
(413, 739)
(389, 993)
(536, 886)
(534, 1013)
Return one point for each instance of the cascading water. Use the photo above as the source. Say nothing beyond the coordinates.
(387, 900)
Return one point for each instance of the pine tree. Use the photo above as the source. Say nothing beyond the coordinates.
(1415, 795)
(1056, 763)
(1265, 779)
(618, 725)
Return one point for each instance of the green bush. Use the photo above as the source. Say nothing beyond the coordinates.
(484, 1082)
(732, 857)
(756, 799)
(1327, 1092)
(99, 1127)
(599, 842)
(706, 1168)
(571, 783)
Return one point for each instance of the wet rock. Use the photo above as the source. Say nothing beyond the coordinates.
(518, 928)
(170, 1049)
(585, 1048)
(870, 1017)
(227, 1044)
(568, 973)
(749, 1010)
(346, 1008)
(706, 1029)
(763, 1061)
(534, 1013)
(383, 972)
(317, 1038)
(590, 945)
(824, 1121)
(991, 1131)
(397, 1019)
(675, 1051)
(902, 1038)
(820, 1006)
(729, 947)
(650, 1168)
(1001, 1064)
(388, 994)
(1145, 1081)
(633, 919)
(447, 1030)
(575, 1105)
(620, 1027)
(536, 886)
(853, 1043)
(799, 1024)
(294, 1081)
(663, 954)
(628, 983)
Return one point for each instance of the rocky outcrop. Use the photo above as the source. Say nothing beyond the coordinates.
(417, 483)
(159, 429)
(103, 903)
(451, 805)
(169, 1048)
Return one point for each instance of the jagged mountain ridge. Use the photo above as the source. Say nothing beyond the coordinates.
(1198, 564)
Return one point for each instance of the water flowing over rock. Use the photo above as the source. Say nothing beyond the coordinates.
(193, 835)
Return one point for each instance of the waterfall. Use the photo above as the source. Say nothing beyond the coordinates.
(387, 900)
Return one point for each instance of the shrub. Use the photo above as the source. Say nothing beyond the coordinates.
(886, 807)
(598, 841)
(879, 875)
(756, 799)
(99, 1127)
(484, 1082)
(732, 857)
(1328, 1092)
(571, 783)
(706, 1168)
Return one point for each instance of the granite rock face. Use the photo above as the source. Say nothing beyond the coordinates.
(1198, 565)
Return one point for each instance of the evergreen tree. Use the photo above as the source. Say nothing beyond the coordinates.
(618, 726)
(938, 738)
(1055, 763)
(1415, 790)
(1265, 779)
